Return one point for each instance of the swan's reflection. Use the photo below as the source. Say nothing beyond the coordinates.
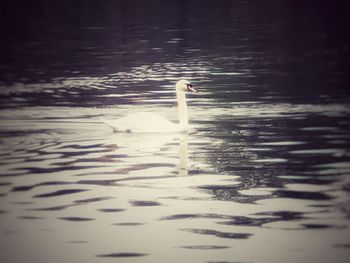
(183, 154)
(153, 149)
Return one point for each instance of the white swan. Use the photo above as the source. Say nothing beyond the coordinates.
(149, 122)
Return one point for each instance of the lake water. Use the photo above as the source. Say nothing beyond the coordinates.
(263, 175)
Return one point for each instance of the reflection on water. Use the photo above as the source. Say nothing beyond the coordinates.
(265, 167)
(234, 182)
(183, 155)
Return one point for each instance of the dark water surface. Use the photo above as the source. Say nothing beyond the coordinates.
(263, 176)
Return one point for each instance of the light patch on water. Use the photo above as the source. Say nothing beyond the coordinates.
(119, 95)
(271, 160)
(307, 187)
(283, 143)
(258, 191)
(336, 152)
(343, 165)
(262, 149)
(324, 128)
(226, 73)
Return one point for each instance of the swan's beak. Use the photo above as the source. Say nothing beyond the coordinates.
(190, 88)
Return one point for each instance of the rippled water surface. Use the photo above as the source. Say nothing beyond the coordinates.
(262, 176)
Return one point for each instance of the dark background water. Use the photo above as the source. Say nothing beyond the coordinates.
(268, 158)
(299, 50)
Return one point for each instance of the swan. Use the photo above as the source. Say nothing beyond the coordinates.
(149, 122)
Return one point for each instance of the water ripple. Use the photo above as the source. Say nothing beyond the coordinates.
(122, 255)
(218, 233)
(207, 247)
(76, 219)
(60, 192)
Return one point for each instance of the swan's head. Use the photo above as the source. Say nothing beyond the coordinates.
(185, 86)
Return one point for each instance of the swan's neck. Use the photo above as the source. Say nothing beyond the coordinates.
(182, 105)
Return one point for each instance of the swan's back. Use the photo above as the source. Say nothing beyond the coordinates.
(142, 122)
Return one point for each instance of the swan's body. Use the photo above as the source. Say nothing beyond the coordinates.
(142, 122)
(153, 123)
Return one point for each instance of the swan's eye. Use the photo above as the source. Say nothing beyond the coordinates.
(190, 88)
